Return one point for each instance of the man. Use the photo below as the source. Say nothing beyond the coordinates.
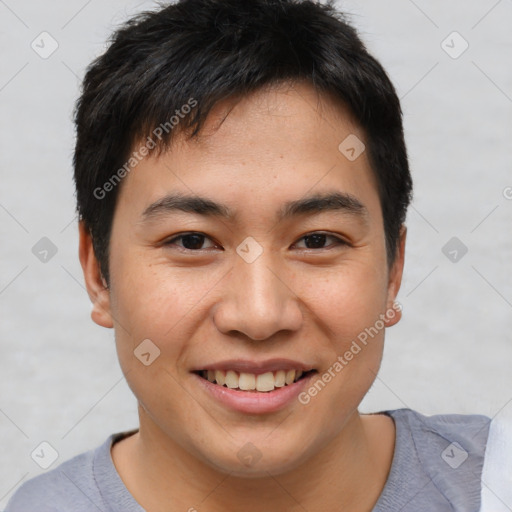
(242, 185)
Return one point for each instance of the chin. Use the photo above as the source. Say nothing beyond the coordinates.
(258, 459)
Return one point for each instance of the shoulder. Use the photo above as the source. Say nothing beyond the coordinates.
(444, 441)
(70, 486)
(470, 429)
(437, 463)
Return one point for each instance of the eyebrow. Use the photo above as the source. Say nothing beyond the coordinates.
(313, 204)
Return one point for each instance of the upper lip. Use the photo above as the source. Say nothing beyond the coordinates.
(257, 367)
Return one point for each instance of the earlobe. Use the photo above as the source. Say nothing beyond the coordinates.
(94, 281)
(393, 308)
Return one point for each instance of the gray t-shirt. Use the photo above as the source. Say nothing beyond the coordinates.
(437, 466)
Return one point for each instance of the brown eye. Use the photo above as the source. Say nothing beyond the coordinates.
(190, 241)
(318, 241)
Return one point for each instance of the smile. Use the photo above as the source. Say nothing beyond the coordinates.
(243, 381)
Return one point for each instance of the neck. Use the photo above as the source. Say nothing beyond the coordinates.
(347, 474)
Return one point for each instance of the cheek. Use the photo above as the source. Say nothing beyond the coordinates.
(154, 301)
(348, 307)
(348, 300)
(151, 295)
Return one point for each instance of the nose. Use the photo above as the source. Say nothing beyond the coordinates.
(258, 300)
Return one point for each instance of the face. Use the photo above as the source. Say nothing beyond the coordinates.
(281, 269)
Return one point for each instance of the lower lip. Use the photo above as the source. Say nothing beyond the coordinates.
(254, 402)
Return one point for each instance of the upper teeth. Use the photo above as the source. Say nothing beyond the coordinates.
(249, 381)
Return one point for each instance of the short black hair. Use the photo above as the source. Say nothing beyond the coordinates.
(167, 68)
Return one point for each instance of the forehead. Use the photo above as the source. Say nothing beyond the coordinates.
(298, 112)
(277, 144)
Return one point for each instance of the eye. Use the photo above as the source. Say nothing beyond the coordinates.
(190, 241)
(195, 241)
(318, 240)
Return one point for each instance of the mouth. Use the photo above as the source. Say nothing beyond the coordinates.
(254, 387)
(254, 383)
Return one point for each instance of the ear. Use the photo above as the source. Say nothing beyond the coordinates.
(395, 280)
(95, 283)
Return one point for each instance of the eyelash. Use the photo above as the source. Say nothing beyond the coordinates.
(338, 241)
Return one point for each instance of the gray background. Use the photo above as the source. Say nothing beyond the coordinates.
(60, 380)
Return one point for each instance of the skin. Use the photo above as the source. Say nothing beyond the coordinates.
(306, 304)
